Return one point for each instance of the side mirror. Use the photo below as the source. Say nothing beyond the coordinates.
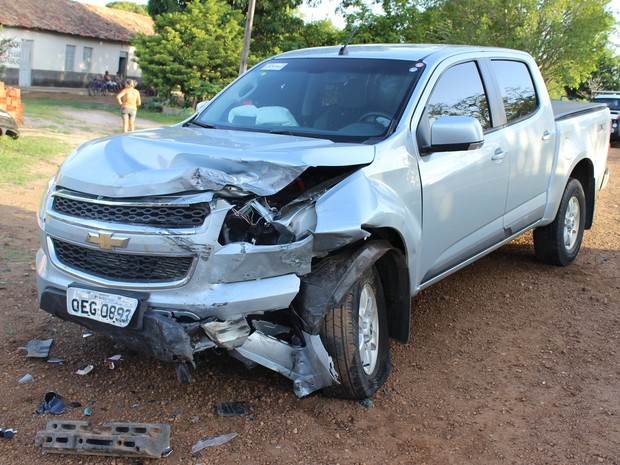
(202, 105)
(454, 133)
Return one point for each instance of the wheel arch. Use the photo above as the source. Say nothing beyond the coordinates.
(327, 285)
(394, 275)
(584, 173)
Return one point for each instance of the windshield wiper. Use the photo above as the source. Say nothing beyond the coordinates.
(203, 125)
(298, 134)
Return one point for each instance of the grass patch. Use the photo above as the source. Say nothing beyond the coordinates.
(18, 157)
(19, 254)
(46, 107)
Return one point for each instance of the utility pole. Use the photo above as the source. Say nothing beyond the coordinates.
(246, 37)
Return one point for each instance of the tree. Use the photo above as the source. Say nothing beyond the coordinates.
(320, 33)
(129, 6)
(606, 77)
(159, 7)
(276, 29)
(6, 43)
(195, 51)
(566, 37)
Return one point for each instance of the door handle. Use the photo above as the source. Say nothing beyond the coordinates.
(498, 156)
(546, 136)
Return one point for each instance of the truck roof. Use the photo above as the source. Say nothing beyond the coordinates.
(414, 52)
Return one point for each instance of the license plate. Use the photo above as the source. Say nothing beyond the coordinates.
(108, 308)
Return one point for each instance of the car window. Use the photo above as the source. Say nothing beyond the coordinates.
(460, 92)
(516, 87)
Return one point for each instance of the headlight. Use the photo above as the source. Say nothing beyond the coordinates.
(51, 186)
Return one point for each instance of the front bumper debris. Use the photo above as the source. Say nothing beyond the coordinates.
(304, 360)
(149, 440)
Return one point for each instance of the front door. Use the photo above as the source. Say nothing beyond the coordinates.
(464, 192)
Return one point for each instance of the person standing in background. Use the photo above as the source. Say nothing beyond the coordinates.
(129, 100)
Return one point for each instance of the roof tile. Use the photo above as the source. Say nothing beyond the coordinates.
(73, 18)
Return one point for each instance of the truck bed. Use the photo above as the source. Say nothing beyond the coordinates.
(563, 109)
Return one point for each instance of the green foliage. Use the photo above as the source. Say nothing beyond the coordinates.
(275, 28)
(159, 7)
(5, 44)
(195, 51)
(129, 6)
(566, 37)
(606, 77)
(320, 33)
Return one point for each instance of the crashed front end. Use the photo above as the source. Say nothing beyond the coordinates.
(215, 268)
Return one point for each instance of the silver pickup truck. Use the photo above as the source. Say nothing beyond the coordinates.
(289, 222)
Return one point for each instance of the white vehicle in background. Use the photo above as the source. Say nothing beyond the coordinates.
(290, 221)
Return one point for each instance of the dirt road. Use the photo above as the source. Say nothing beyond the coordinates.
(510, 361)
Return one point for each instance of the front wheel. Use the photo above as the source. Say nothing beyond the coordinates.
(92, 89)
(558, 243)
(355, 334)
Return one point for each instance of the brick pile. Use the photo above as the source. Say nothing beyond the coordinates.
(10, 100)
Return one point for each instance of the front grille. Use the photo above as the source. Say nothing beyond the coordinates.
(122, 267)
(162, 216)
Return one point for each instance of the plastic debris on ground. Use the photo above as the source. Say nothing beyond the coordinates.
(38, 349)
(85, 370)
(367, 403)
(110, 361)
(52, 404)
(215, 441)
(28, 378)
(149, 440)
(55, 360)
(88, 412)
(231, 409)
(7, 433)
(85, 335)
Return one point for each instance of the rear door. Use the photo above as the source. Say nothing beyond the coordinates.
(530, 129)
(464, 192)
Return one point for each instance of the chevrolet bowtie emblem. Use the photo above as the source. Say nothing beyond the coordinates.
(106, 241)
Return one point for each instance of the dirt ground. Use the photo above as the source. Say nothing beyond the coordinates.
(510, 361)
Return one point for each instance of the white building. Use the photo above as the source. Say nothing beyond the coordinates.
(65, 43)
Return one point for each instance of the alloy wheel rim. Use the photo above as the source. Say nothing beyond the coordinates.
(571, 223)
(368, 324)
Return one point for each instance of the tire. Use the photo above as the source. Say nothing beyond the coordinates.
(355, 334)
(92, 89)
(104, 90)
(558, 243)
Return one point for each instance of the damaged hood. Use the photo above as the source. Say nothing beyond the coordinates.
(179, 159)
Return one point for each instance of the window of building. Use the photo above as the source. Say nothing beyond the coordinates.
(88, 59)
(70, 58)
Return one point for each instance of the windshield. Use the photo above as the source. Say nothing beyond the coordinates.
(342, 99)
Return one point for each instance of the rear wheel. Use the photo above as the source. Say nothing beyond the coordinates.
(355, 334)
(559, 242)
(93, 89)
